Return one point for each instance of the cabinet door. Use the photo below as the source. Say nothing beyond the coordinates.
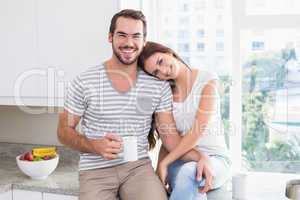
(6, 195)
(18, 39)
(73, 35)
(45, 43)
(49, 196)
(24, 194)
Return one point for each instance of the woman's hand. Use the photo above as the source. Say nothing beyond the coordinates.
(204, 169)
(162, 172)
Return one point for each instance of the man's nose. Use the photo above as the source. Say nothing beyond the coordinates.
(129, 41)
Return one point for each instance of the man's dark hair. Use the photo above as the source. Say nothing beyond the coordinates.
(128, 13)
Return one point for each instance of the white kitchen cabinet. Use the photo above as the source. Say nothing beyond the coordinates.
(73, 34)
(50, 196)
(26, 195)
(45, 43)
(6, 195)
(18, 49)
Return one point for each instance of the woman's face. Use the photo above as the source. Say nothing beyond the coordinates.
(162, 65)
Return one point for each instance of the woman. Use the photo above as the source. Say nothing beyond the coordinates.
(197, 115)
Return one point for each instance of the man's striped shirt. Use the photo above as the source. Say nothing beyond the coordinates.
(103, 109)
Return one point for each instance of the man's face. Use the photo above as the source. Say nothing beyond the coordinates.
(127, 40)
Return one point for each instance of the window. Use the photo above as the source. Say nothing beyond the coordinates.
(200, 33)
(220, 46)
(265, 48)
(183, 34)
(220, 33)
(274, 7)
(200, 46)
(183, 47)
(258, 46)
(186, 59)
(271, 90)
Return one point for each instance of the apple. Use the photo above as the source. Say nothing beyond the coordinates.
(28, 156)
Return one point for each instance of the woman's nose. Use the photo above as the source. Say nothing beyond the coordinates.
(163, 70)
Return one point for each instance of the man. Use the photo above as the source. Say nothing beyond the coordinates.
(113, 100)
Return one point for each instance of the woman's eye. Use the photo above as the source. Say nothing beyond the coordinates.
(160, 61)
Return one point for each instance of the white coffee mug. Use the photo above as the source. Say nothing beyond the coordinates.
(130, 148)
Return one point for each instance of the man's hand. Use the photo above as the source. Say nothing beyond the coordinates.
(204, 169)
(108, 147)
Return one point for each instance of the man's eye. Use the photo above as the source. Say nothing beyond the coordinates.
(137, 36)
(121, 35)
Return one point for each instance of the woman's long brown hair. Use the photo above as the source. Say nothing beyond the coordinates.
(150, 49)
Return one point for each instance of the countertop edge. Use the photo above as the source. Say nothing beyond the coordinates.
(45, 190)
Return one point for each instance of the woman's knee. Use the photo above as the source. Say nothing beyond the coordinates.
(187, 172)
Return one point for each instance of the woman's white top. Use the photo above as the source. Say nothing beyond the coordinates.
(213, 140)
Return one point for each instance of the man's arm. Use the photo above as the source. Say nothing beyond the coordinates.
(108, 147)
(67, 134)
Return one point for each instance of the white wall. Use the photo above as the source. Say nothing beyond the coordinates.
(18, 126)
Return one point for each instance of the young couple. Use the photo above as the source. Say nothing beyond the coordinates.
(144, 87)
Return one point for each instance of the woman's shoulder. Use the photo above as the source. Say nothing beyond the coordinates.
(204, 76)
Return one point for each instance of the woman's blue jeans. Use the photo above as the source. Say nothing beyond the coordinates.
(182, 178)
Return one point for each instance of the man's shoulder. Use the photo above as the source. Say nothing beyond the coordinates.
(92, 70)
(151, 79)
(89, 73)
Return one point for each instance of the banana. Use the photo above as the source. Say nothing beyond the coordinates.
(44, 151)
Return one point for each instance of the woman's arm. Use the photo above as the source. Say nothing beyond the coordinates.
(162, 154)
(207, 106)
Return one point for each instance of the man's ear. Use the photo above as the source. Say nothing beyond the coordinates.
(145, 42)
(110, 37)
